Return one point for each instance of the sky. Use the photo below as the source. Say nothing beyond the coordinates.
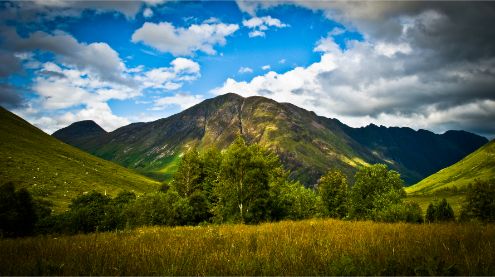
(424, 65)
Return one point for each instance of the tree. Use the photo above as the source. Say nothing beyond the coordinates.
(299, 202)
(87, 212)
(243, 189)
(439, 212)
(17, 211)
(333, 190)
(375, 188)
(480, 201)
(188, 177)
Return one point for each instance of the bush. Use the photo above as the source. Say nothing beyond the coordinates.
(440, 212)
(407, 212)
(17, 211)
(480, 202)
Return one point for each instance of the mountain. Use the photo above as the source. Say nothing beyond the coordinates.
(478, 165)
(56, 171)
(79, 132)
(307, 144)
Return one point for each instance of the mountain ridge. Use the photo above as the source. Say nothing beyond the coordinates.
(307, 144)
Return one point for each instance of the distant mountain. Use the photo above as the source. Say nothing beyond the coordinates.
(56, 171)
(307, 144)
(478, 165)
(79, 132)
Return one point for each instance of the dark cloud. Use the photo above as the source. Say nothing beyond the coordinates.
(9, 64)
(10, 97)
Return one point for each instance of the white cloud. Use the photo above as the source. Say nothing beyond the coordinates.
(266, 67)
(243, 70)
(147, 13)
(166, 37)
(170, 78)
(282, 61)
(181, 100)
(261, 24)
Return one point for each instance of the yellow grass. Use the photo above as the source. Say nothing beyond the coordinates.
(311, 247)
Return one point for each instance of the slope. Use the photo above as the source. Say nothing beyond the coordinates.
(307, 144)
(56, 171)
(478, 165)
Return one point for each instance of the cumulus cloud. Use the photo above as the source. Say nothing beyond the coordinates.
(261, 24)
(170, 78)
(266, 67)
(147, 12)
(165, 37)
(243, 70)
(181, 100)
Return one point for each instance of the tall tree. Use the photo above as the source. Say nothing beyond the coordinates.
(375, 188)
(244, 182)
(188, 177)
(333, 189)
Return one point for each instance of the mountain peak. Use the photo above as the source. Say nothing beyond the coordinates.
(78, 131)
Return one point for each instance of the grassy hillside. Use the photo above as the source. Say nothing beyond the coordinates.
(478, 165)
(56, 171)
(311, 247)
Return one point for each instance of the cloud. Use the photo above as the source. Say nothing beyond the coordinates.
(147, 12)
(282, 61)
(9, 97)
(98, 57)
(181, 100)
(243, 70)
(170, 78)
(266, 67)
(165, 37)
(261, 24)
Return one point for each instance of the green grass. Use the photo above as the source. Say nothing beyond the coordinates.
(311, 247)
(456, 200)
(56, 171)
(478, 165)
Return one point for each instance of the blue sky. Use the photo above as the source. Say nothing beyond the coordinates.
(361, 62)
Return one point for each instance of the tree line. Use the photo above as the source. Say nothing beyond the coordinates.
(245, 183)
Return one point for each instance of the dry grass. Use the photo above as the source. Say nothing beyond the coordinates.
(311, 247)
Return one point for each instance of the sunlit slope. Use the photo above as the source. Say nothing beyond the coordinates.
(56, 171)
(478, 165)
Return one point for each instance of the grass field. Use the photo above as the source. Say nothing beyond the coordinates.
(311, 247)
(53, 170)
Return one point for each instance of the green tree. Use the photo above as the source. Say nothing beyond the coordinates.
(441, 211)
(188, 177)
(87, 212)
(375, 189)
(17, 211)
(444, 211)
(299, 202)
(480, 201)
(243, 189)
(333, 190)
(212, 159)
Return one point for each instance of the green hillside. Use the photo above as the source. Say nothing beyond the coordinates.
(478, 165)
(56, 171)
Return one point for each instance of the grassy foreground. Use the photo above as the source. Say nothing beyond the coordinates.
(311, 247)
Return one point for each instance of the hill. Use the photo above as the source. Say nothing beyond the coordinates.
(56, 171)
(478, 165)
(79, 132)
(307, 144)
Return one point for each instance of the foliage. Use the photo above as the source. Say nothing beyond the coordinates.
(188, 177)
(406, 212)
(375, 189)
(333, 190)
(17, 211)
(298, 202)
(440, 212)
(480, 201)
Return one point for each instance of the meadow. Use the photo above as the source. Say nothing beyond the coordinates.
(309, 247)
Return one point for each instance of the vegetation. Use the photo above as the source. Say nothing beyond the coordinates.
(441, 211)
(54, 171)
(310, 247)
(480, 165)
(480, 201)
